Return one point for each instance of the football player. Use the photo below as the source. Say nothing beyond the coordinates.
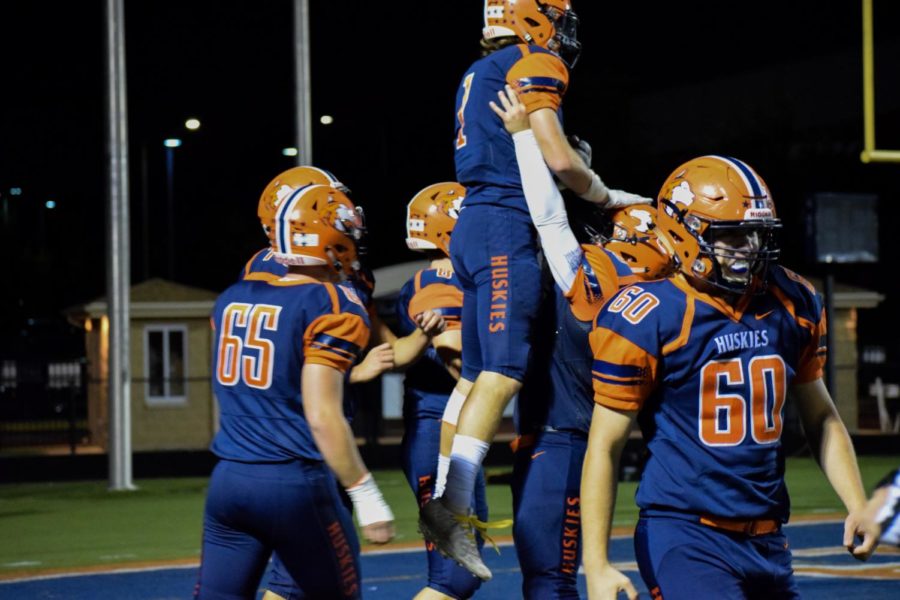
(555, 405)
(380, 358)
(707, 357)
(430, 218)
(282, 348)
(531, 45)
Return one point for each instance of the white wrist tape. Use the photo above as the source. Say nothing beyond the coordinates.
(453, 407)
(597, 193)
(368, 503)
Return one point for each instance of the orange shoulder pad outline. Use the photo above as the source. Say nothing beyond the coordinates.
(541, 79)
(593, 287)
(441, 298)
(811, 365)
(799, 279)
(335, 340)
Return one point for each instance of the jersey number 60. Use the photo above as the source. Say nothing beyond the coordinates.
(232, 360)
(722, 414)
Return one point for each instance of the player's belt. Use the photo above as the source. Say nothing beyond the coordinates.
(748, 527)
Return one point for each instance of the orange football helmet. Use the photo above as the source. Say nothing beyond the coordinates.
(634, 240)
(431, 216)
(285, 184)
(704, 206)
(550, 24)
(318, 225)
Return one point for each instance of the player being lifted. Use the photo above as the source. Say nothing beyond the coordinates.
(556, 401)
(430, 218)
(529, 45)
(282, 347)
(708, 357)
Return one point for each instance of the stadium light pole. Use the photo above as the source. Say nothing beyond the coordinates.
(170, 145)
(118, 275)
(302, 91)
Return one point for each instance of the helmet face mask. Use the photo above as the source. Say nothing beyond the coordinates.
(550, 24)
(739, 254)
(565, 40)
(718, 222)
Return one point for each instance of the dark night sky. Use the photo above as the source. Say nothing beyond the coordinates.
(775, 83)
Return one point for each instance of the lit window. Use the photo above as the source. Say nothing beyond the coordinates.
(165, 368)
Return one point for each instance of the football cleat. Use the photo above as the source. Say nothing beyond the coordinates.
(454, 537)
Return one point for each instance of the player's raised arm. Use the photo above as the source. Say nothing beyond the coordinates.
(599, 481)
(545, 203)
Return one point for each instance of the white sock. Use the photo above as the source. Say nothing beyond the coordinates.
(441, 481)
(465, 463)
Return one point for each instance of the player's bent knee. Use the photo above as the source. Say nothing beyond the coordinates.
(498, 383)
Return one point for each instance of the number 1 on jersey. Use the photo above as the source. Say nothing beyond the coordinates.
(467, 85)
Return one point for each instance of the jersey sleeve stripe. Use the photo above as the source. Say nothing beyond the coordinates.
(450, 312)
(540, 84)
(616, 370)
(335, 344)
(615, 381)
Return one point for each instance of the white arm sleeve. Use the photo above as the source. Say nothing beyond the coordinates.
(561, 249)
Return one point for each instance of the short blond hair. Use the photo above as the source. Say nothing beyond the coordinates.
(498, 43)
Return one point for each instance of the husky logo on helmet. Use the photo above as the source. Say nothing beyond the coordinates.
(550, 24)
(717, 220)
(634, 241)
(645, 220)
(285, 184)
(431, 216)
(318, 225)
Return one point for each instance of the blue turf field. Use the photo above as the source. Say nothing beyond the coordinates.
(824, 570)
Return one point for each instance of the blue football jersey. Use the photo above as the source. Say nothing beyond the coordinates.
(565, 400)
(485, 155)
(265, 331)
(428, 384)
(262, 266)
(710, 381)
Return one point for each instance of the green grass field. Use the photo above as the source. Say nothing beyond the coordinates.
(49, 526)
